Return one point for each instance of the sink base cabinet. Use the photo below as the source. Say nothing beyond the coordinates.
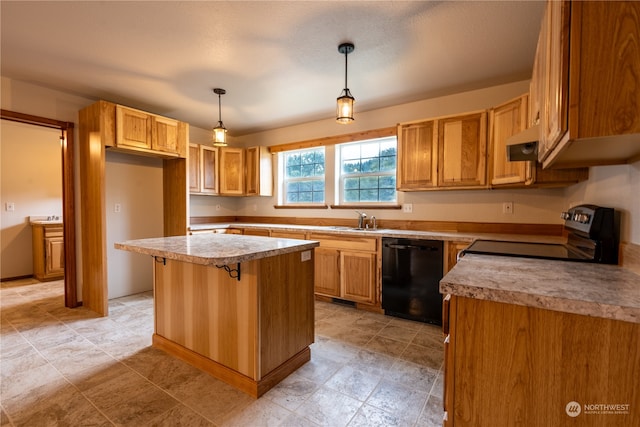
(250, 333)
(512, 365)
(348, 269)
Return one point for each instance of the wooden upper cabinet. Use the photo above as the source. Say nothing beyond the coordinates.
(133, 128)
(165, 135)
(209, 169)
(417, 156)
(462, 151)
(149, 134)
(506, 120)
(259, 175)
(195, 174)
(591, 97)
(231, 171)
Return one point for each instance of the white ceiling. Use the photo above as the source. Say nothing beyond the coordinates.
(278, 60)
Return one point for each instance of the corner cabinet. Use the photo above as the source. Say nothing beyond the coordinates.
(587, 83)
(347, 268)
(509, 119)
(104, 125)
(524, 365)
(48, 251)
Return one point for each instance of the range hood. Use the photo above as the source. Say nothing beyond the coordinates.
(524, 145)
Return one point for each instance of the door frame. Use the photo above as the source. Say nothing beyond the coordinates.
(68, 196)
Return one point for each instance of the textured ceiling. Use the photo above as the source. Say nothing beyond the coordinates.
(278, 60)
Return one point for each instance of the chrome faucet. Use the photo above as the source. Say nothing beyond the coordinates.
(361, 218)
(372, 223)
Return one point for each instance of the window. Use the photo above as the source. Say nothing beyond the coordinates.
(367, 171)
(303, 176)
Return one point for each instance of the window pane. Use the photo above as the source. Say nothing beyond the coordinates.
(352, 195)
(304, 176)
(369, 182)
(370, 165)
(351, 183)
(367, 171)
(369, 195)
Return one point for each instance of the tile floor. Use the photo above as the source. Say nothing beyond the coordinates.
(63, 367)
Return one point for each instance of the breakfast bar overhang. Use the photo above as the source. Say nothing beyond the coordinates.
(238, 307)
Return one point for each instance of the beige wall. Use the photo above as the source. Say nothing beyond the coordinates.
(135, 183)
(32, 180)
(617, 187)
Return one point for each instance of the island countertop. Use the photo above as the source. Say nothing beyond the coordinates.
(597, 290)
(216, 249)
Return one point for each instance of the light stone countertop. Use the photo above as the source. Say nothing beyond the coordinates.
(216, 249)
(387, 232)
(597, 290)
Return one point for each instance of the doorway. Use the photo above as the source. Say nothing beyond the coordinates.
(68, 195)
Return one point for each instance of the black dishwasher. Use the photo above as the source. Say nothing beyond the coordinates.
(411, 273)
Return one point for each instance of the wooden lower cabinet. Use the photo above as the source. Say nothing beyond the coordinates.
(289, 234)
(347, 268)
(513, 365)
(452, 249)
(48, 251)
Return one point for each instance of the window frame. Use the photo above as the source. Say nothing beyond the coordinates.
(283, 180)
(340, 176)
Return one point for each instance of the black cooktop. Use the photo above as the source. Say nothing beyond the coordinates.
(526, 250)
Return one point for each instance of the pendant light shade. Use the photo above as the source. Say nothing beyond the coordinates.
(344, 110)
(219, 132)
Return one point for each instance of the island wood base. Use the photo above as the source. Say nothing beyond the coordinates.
(229, 376)
(250, 333)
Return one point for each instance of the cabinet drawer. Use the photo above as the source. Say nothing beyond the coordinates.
(53, 232)
(347, 242)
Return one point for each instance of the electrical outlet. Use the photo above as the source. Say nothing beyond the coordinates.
(407, 208)
(507, 208)
(10, 207)
(117, 208)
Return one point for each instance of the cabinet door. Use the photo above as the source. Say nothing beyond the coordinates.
(55, 255)
(462, 151)
(165, 135)
(256, 232)
(209, 169)
(259, 178)
(358, 276)
(232, 171)
(327, 272)
(555, 29)
(417, 156)
(133, 128)
(507, 120)
(194, 168)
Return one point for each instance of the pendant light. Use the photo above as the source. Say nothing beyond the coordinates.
(219, 132)
(344, 111)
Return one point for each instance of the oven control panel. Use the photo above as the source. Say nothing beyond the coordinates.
(590, 220)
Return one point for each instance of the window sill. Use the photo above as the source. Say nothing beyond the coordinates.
(301, 207)
(364, 206)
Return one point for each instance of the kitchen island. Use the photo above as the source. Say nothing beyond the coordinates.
(533, 342)
(238, 307)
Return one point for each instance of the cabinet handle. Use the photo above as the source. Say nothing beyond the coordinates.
(445, 314)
